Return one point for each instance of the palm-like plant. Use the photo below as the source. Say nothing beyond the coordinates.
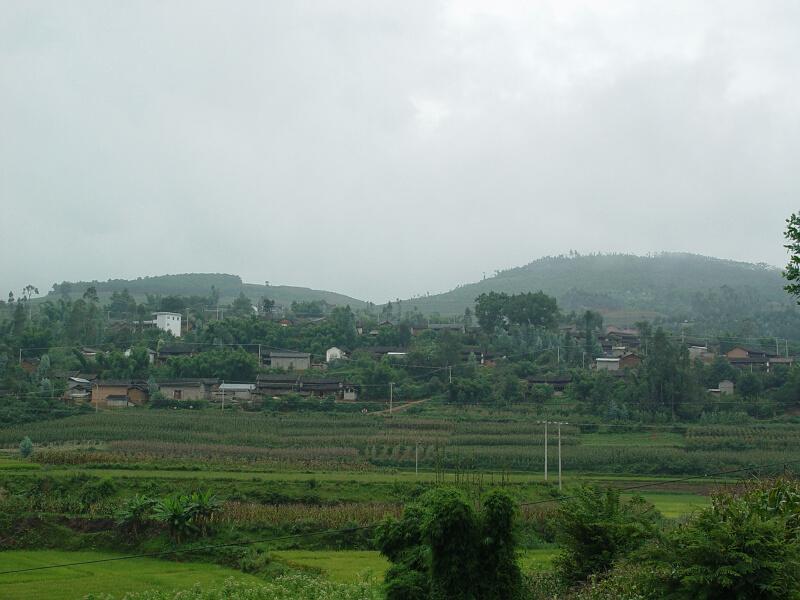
(204, 506)
(134, 514)
(178, 513)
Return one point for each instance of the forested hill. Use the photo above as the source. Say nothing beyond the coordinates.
(626, 287)
(200, 284)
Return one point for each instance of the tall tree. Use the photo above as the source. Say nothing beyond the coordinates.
(792, 272)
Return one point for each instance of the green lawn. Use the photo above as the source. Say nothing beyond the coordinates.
(72, 583)
(339, 565)
(676, 505)
(348, 566)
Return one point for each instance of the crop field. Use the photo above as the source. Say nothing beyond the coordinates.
(73, 583)
(451, 440)
(278, 476)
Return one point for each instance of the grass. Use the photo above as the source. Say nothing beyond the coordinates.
(71, 583)
(676, 505)
(645, 438)
(346, 566)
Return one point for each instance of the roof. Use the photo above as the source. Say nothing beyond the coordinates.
(607, 359)
(285, 354)
(446, 326)
(179, 348)
(163, 312)
(237, 387)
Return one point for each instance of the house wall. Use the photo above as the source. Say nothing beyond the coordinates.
(608, 365)
(101, 393)
(169, 322)
(298, 364)
(188, 392)
(737, 353)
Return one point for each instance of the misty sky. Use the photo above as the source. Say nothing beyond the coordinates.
(386, 149)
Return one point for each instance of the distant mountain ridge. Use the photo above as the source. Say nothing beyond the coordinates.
(625, 286)
(200, 284)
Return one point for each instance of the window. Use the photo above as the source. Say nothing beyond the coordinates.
(176, 394)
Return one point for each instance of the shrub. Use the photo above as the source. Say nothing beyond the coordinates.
(26, 447)
(596, 528)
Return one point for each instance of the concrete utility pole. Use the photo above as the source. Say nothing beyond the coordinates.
(559, 457)
(545, 450)
(222, 389)
(416, 459)
(450, 373)
(391, 396)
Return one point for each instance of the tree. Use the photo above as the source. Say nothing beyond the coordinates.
(741, 547)
(26, 447)
(792, 271)
(90, 295)
(595, 529)
(489, 309)
(267, 306)
(442, 548)
(242, 306)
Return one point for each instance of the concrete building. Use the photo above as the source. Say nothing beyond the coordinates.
(296, 361)
(726, 387)
(334, 353)
(607, 364)
(168, 321)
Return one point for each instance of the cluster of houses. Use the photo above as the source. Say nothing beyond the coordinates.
(87, 388)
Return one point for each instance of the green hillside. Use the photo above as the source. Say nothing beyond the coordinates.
(200, 284)
(624, 287)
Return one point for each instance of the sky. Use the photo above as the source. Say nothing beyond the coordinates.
(390, 149)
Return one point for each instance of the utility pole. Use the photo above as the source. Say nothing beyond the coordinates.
(222, 389)
(559, 455)
(777, 349)
(391, 396)
(545, 450)
(450, 373)
(416, 459)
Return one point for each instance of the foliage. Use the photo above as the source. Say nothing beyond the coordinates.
(792, 271)
(442, 548)
(26, 447)
(744, 546)
(595, 528)
(283, 587)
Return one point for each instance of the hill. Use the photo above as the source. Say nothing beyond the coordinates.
(624, 287)
(200, 284)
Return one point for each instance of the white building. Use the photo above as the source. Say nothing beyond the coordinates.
(607, 364)
(335, 353)
(168, 321)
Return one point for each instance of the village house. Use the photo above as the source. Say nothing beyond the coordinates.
(235, 392)
(118, 394)
(334, 353)
(187, 389)
(295, 361)
(271, 386)
(607, 364)
(168, 351)
(629, 361)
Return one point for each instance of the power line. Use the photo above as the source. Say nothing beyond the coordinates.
(194, 549)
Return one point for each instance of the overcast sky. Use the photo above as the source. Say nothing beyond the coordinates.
(386, 149)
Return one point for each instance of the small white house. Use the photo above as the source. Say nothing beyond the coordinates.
(169, 321)
(607, 364)
(332, 354)
(726, 387)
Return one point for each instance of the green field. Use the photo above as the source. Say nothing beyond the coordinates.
(340, 565)
(72, 583)
(348, 566)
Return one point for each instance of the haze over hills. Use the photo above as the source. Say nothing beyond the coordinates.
(200, 284)
(625, 287)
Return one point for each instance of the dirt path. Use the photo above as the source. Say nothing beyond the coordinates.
(399, 407)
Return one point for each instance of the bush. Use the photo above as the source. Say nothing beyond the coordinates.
(26, 447)
(595, 529)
